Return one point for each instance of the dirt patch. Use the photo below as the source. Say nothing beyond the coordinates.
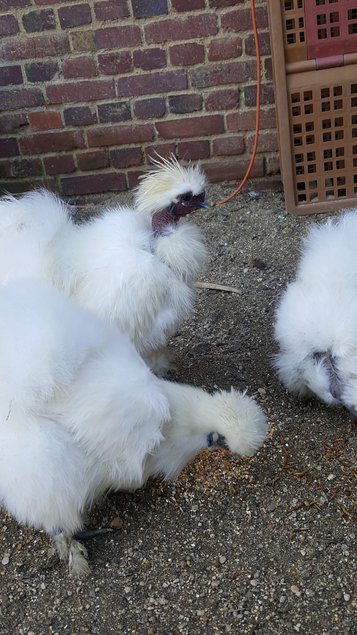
(264, 545)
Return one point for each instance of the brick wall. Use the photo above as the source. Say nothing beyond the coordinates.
(88, 90)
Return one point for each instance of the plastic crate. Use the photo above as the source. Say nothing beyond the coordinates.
(314, 47)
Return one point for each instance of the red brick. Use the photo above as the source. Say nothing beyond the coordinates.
(80, 91)
(133, 177)
(41, 71)
(268, 142)
(114, 112)
(25, 47)
(51, 142)
(187, 54)
(8, 148)
(12, 4)
(163, 149)
(216, 74)
(75, 15)
(150, 108)
(268, 69)
(79, 116)
(26, 167)
(93, 184)
(149, 8)
(233, 170)
(21, 98)
(126, 157)
(41, 20)
(187, 5)
(152, 83)
(228, 145)
(264, 44)
(8, 25)
(115, 63)
(193, 150)
(226, 99)
(22, 185)
(149, 59)
(237, 121)
(63, 164)
(240, 20)
(224, 48)
(117, 37)
(45, 120)
(191, 127)
(171, 29)
(12, 123)
(44, 2)
(180, 104)
(266, 95)
(120, 135)
(92, 160)
(10, 75)
(82, 66)
(5, 170)
(111, 10)
(221, 4)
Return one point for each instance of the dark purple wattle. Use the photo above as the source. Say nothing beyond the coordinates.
(169, 216)
(162, 220)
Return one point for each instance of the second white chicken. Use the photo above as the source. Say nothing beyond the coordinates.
(134, 267)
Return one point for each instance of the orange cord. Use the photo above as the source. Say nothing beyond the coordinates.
(257, 113)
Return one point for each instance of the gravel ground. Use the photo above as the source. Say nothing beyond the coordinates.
(263, 545)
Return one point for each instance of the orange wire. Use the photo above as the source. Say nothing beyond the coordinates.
(257, 113)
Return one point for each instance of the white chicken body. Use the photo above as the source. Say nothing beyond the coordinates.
(27, 226)
(80, 413)
(111, 268)
(316, 319)
(134, 267)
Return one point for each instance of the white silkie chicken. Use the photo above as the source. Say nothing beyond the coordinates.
(134, 267)
(316, 319)
(81, 413)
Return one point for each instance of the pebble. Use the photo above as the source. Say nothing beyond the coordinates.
(5, 560)
(254, 582)
(295, 589)
(222, 559)
(331, 477)
(346, 597)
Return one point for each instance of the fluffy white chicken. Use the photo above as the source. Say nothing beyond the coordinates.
(316, 319)
(134, 267)
(81, 413)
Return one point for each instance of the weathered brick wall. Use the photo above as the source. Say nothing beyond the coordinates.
(90, 89)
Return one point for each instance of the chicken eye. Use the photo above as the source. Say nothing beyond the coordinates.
(186, 198)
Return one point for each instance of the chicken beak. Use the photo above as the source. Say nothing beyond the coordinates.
(203, 204)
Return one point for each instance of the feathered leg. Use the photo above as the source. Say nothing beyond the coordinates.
(73, 552)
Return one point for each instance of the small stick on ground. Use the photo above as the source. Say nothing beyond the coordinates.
(216, 287)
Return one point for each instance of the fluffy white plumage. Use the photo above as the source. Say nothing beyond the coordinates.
(139, 279)
(166, 182)
(81, 413)
(316, 319)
